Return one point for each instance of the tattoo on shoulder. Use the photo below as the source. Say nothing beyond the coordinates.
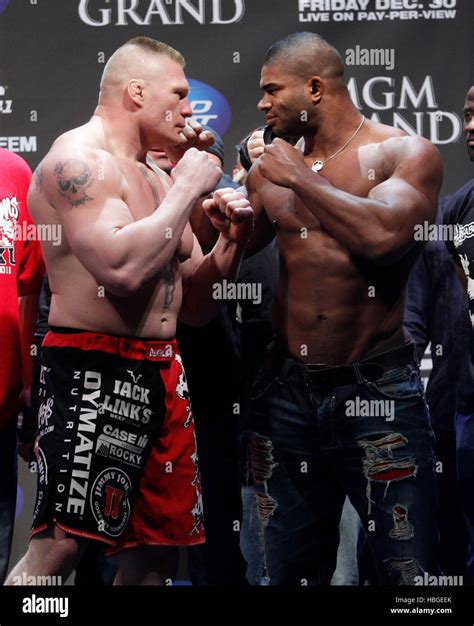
(38, 177)
(74, 177)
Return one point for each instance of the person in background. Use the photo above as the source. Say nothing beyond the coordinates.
(261, 269)
(437, 312)
(460, 215)
(211, 357)
(21, 273)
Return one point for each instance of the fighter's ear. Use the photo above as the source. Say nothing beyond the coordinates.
(315, 87)
(135, 90)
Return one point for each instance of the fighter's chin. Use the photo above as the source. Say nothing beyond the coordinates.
(173, 139)
(279, 130)
(470, 151)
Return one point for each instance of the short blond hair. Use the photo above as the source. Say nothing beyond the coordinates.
(158, 47)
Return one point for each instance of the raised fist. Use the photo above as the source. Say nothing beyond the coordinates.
(197, 171)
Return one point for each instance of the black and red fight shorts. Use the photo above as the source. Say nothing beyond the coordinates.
(117, 458)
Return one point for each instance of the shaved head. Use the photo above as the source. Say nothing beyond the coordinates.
(144, 87)
(306, 54)
(135, 59)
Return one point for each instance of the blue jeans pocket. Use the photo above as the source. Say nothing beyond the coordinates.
(403, 383)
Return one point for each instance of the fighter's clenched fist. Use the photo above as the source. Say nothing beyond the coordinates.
(231, 214)
(281, 162)
(198, 171)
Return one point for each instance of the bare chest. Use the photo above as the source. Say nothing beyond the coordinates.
(144, 191)
(356, 172)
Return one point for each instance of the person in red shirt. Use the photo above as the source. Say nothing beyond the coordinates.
(21, 273)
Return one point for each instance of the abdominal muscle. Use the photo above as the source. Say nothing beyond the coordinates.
(83, 304)
(324, 311)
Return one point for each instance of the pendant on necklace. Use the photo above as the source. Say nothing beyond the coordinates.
(317, 166)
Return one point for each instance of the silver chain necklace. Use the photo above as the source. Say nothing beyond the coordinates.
(318, 164)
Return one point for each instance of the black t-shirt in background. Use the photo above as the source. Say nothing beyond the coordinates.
(461, 215)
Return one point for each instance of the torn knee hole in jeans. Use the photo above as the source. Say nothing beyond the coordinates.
(403, 570)
(261, 458)
(402, 528)
(262, 464)
(379, 464)
(266, 506)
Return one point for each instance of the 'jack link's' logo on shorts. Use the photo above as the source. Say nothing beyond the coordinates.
(209, 106)
(110, 501)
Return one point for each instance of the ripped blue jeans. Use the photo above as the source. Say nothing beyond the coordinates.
(371, 440)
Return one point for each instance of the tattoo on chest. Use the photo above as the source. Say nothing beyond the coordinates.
(149, 179)
(169, 277)
(74, 177)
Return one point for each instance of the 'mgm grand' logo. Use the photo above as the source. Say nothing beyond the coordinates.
(209, 106)
(146, 12)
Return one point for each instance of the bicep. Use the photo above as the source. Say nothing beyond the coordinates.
(85, 191)
(90, 231)
(403, 207)
(410, 193)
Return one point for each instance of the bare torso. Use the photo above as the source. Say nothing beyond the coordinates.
(330, 307)
(78, 301)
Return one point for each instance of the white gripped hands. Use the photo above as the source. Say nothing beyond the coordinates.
(231, 214)
(196, 171)
(256, 145)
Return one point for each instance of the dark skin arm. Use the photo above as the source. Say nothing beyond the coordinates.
(380, 227)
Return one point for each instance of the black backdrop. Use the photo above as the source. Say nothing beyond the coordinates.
(52, 54)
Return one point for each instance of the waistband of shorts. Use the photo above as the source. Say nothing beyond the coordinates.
(125, 347)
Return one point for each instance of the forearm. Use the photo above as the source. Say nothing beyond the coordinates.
(202, 227)
(141, 250)
(360, 224)
(199, 302)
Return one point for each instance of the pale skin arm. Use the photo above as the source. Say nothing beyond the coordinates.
(200, 273)
(230, 214)
(205, 232)
(123, 255)
(380, 227)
